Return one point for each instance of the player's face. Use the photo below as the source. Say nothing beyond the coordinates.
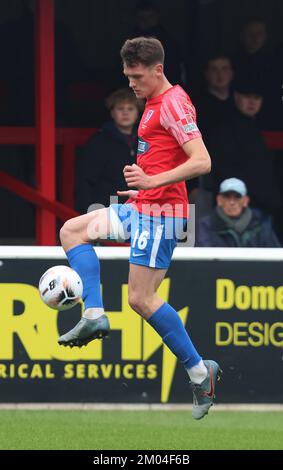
(144, 81)
(124, 114)
(219, 73)
(232, 203)
(249, 105)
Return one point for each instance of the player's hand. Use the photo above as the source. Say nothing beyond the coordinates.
(137, 178)
(131, 193)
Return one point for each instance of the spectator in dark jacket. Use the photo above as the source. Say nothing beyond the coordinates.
(255, 59)
(237, 147)
(215, 105)
(233, 223)
(100, 168)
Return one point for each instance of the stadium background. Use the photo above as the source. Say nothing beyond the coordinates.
(92, 33)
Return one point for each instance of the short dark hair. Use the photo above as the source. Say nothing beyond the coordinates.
(253, 20)
(247, 84)
(142, 50)
(123, 95)
(216, 56)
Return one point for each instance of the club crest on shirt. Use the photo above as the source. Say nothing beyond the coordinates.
(148, 116)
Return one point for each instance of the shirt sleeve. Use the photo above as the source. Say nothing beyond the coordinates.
(178, 117)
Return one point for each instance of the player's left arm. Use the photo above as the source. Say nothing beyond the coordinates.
(198, 163)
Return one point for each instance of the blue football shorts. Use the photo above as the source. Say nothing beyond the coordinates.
(152, 238)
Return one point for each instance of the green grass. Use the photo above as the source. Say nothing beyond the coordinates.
(141, 430)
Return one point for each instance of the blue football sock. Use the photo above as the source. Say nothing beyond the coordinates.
(169, 326)
(83, 259)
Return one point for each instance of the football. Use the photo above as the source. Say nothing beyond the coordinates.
(60, 287)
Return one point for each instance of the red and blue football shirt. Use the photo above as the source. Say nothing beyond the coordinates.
(168, 122)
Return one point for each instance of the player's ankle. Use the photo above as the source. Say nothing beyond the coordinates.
(198, 373)
(93, 313)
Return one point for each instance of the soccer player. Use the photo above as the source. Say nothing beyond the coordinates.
(170, 151)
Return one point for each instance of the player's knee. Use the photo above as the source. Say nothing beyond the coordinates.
(137, 302)
(66, 232)
(98, 226)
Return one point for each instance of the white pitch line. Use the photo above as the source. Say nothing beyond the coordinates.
(138, 407)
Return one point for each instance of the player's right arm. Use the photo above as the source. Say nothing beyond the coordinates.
(131, 193)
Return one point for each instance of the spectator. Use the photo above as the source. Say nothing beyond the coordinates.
(215, 106)
(253, 56)
(100, 168)
(255, 60)
(216, 103)
(148, 24)
(233, 223)
(237, 147)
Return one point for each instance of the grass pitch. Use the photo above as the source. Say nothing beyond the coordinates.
(139, 430)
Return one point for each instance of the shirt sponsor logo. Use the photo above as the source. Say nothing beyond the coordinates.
(143, 146)
(189, 127)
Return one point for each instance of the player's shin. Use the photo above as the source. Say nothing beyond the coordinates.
(169, 326)
(84, 261)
